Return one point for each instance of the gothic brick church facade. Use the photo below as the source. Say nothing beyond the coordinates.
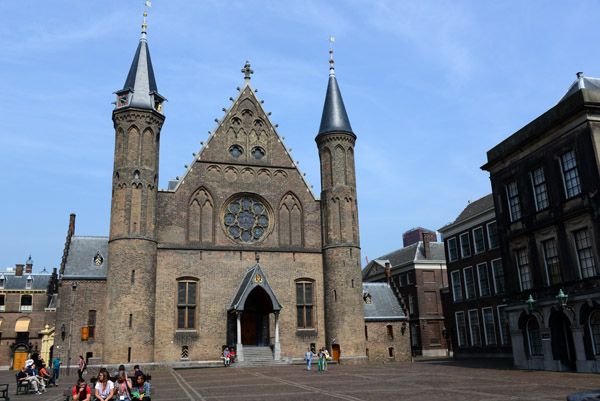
(237, 252)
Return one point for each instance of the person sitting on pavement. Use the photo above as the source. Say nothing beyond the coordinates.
(82, 392)
(137, 371)
(123, 386)
(226, 356)
(141, 389)
(232, 355)
(24, 377)
(105, 388)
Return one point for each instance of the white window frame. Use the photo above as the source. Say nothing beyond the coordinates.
(494, 276)
(487, 276)
(503, 341)
(533, 188)
(459, 336)
(474, 295)
(485, 327)
(592, 251)
(564, 179)
(471, 327)
(508, 198)
(476, 251)
(464, 235)
(456, 279)
(450, 259)
(3, 306)
(596, 347)
(519, 268)
(546, 257)
(490, 237)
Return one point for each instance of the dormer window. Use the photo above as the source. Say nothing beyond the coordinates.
(29, 283)
(98, 259)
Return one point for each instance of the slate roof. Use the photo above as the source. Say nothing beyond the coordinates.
(409, 254)
(248, 284)
(473, 209)
(384, 305)
(334, 118)
(581, 83)
(140, 79)
(80, 260)
(39, 280)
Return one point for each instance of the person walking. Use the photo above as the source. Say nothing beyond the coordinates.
(56, 368)
(326, 358)
(80, 366)
(321, 356)
(308, 358)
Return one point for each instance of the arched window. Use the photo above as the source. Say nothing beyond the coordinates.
(304, 304)
(595, 331)
(534, 337)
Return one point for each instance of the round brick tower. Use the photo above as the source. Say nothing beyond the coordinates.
(131, 275)
(344, 310)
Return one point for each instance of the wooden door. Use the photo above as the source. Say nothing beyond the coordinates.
(248, 328)
(19, 360)
(335, 351)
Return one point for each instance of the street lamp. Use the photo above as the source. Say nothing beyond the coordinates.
(562, 298)
(532, 306)
(74, 287)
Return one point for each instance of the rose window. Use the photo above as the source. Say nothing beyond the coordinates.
(246, 219)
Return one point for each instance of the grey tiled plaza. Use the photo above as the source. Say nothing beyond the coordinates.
(433, 379)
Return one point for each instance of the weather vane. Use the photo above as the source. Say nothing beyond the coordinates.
(144, 25)
(331, 40)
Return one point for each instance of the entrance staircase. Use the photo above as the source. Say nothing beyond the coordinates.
(258, 356)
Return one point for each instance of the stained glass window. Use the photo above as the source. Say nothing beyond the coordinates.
(246, 219)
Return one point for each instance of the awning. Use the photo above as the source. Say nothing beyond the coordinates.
(253, 279)
(22, 326)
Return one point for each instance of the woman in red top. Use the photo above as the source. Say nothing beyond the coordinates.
(82, 392)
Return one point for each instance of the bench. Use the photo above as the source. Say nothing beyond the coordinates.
(23, 386)
(4, 392)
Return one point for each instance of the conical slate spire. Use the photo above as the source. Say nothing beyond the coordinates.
(334, 117)
(140, 79)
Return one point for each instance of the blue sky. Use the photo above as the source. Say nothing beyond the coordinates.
(429, 88)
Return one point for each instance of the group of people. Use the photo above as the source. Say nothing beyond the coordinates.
(120, 385)
(38, 375)
(228, 356)
(322, 355)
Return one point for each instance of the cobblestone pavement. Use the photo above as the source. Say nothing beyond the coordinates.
(423, 380)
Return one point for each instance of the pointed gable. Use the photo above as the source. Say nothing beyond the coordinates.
(253, 279)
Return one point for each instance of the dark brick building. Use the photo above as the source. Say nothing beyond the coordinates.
(545, 182)
(474, 308)
(417, 271)
(172, 280)
(415, 235)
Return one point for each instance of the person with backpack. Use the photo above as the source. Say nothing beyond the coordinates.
(81, 366)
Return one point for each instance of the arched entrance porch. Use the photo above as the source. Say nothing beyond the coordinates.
(249, 311)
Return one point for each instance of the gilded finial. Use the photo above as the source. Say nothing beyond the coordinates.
(144, 24)
(331, 40)
(247, 71)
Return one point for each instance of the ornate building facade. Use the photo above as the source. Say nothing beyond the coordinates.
(237, 252)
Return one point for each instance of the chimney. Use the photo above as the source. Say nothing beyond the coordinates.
(388, 273)
(426, 248)
(29, 265)
(72, 224)
(19, 271)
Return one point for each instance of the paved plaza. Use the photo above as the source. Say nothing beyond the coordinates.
(441, 379)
